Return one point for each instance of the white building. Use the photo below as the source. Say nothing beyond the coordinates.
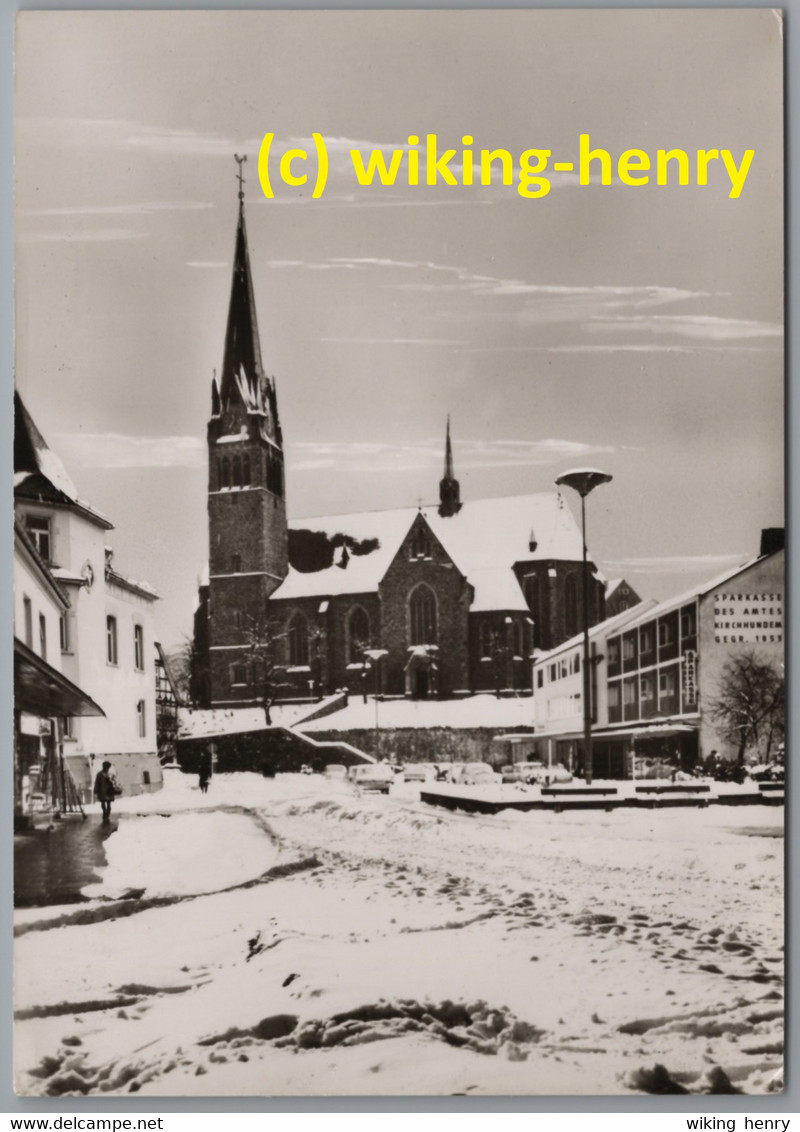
(105, 636)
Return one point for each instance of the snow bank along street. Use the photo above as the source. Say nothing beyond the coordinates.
(286, 936)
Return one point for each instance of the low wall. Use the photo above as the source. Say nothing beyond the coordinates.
(270, 750)
(430, 744)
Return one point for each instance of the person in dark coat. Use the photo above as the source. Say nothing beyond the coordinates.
(106, 790)
(205, 770)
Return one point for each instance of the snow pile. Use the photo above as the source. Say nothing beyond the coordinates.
(186, 854)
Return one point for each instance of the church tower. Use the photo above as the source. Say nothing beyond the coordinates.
(449, 490)
(248, 542)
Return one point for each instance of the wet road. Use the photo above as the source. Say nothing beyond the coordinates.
(51, 867)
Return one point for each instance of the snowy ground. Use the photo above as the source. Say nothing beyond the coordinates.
(285, 937)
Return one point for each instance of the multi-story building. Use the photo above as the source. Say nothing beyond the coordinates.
(659, 669)
(105, 632)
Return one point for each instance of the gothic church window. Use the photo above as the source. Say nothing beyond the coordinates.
(420, 544)
(532, 593)
(298, 641)
(357, 635)
(518, 639)
(245, 470)
(422, 616)
(236, 472)
(486, 640)
(224, 472)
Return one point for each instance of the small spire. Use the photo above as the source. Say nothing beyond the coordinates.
(240, 176)
(449, 489)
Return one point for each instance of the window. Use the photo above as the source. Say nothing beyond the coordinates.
(138, 648)
(67, 727)
(239, 674)
(629, 692)
(140, 718)
(420, 544)
(571, 606)
(422, 617)
(530, 587)
(39, 530)
(613, 653)
(486, 640)
(42, 636)
(540, 678)
(518, 639)
(647, 640)
(245, 470)
(224, 472)
(236, 563)
(613, 695)
(298, 641)
(648, 688)
(63, 632)
(357, 634)
(111, 640)
(688, 621)
(666, 635)
(236, 472)
(238, 619)
(28, 614)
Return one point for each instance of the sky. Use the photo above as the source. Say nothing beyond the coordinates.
(635, 329)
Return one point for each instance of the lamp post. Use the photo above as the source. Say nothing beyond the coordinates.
(584, 480)
(375, 656)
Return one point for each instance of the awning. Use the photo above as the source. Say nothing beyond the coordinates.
(652, 730)
(40, 689)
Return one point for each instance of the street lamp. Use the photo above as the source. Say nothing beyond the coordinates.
(375, 656)
(584, 480)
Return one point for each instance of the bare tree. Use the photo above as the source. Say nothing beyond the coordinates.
(749, 705)
(191, 673)
(261, 654)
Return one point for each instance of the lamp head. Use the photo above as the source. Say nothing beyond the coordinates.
(583, 480)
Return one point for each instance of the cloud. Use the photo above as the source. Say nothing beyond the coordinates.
(375, 458)
(147, 208)
(676, 564)
(396, 341)
(113, 450)
(699, 326)
(89, 235)
(620, 348)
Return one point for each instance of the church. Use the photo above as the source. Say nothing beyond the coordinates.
(436, 601)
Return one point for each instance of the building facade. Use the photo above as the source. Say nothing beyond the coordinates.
(105, 633)
(660, 670)
(435, 601)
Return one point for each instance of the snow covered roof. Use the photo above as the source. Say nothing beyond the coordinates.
(484, 539)
(33, 457)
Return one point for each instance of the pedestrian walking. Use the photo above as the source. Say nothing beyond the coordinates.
(205, 770)
(106, 789)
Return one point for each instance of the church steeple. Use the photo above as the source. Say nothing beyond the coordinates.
(449, 490)
(243, 382)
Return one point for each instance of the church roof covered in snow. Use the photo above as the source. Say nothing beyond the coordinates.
(484, 539)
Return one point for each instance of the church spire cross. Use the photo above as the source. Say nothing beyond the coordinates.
(240, 176)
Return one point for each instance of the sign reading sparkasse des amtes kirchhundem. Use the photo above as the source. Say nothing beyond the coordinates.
(753, 617)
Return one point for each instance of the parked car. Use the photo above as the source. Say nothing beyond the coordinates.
(306, 769)
(376, 777)
(335, 770)
(521, 772)
(419, 772)
(475, 774)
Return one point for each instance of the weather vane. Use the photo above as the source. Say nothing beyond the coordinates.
(240, 162)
